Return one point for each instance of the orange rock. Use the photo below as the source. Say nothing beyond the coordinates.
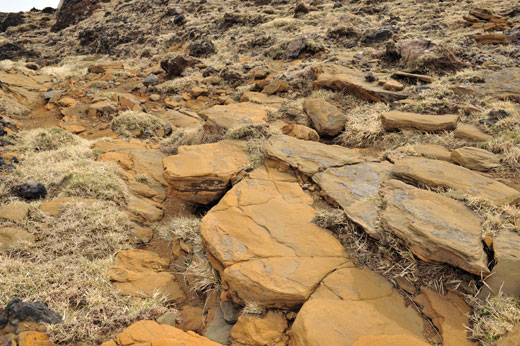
(67, 102)
(491, 39)
(191, 318)
(238, 114)
(251, 330)
(276, 86)
(301, 132)
(389, 340)
(33, 339)
(124, 160)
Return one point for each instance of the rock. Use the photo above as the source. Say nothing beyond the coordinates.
(435, 228)
(412, 50)
(12, 20)
(356, 188)
(234, 115)
(230, 311)
(72, 128)
(203, 173)
(449, 314)
(179, 19)
(32, 338)
(371, 77)
(503, 84)
(17, 310)
(151, 333)
(506, 277)
(433, 151)
(351, 303)
(434, 173)
(491, 39)
(393, 85)
(14, 211)
(202, 48)
(473, 133)
(512, 338)
(104, 109)
(300, 9)
(256, 97)
(475, 158)
(218, 329)
(174, 66)
(401, 75)
(31, 191)
(168, 318)
(301, 132)
(191, 318)
(55, 206)
(51, 94)
(155, 97)
(13, 238)
(144, 209)
(378, 35)
(96, 69)
(151, 80)
(276, 86)
(396, 120)
(143, 273)
(142, 234)
(325, 117)
(309, 157)
(295, 47)
(260, 331)
(261, 239)
(342, 78)
(387, 340)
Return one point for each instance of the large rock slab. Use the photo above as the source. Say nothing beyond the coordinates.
(337, 77)
(203, 173)
(352, 303)
(475, 158)
(396, 120)
(261, 239)
(233, 115)
(355, 188)
(434, 173)
(503, 84)
(325, 117)
(435, 228)
(309, 157)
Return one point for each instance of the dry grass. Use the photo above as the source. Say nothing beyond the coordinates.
(252, 308)
(495, 218)
(363, 127)
(179, 137)
(11, 108)
(136, 124)
(51, 138)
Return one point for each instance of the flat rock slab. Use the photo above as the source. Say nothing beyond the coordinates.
(309, 157)
(396, 120)
(355, 188)
(337, 77)
(326, 118)
(503, 84)
(475, 158)
(14, 211)
(352, 303)
(203, 173)
(472, 133)
(261, 238)
(435, 228)
(14, 238)
(434, 173)
(433, 151)
(233, 115)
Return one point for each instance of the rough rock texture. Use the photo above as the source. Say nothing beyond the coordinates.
(203, 173)
(13, 238)
(142, 273)
(309, 157)
(14, 211)
(218, 329)
(261, 238)
(301, 132)
(475, 158)
(434, 173)
(396, 120)
(253, 330)
(325, 117)
(351, 303)
(472, 133)
(386, 340)
(151, 333)
(356, 188)
(433, 151)
(434, 227)
(510, 339)
(233, 115)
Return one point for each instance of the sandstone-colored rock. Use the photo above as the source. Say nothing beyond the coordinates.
(389, 340)
(435, 228)
(325, 117)
(14, 211)
(396, 120)
(413, 76)
(341, 78)
(351, 303)
(256, 97)
(503, 84)
(355, 188)
(434, 173)
(471, 132)
(491, 39)
(181, 119)
(203, 173)
(129, 101)
(253, 330)
(54, 207)
(276, 86)
(512, 338)
(123, 159)
(143, 273)
(105, 109)
(144, 209)
(233, 115)
(151, 333)
(309, 157)
(13, 238)
(394, 85)
(449, 314)
(261, 238)
(301, 132)
(475, 158)
(191, 318)
(433, 151)
(33, 339)
(72, 128)
(506, 276)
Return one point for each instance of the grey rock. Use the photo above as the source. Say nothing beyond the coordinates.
(150, 80)
(168, 318)
(218, 329)
(230, 311)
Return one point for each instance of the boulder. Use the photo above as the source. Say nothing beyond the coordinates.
(394, 85)
(251, 330)
(151, 333)
(238, 114)
(218, 329)
(309, 157)
(397, 120)
(301, 132)
(261, 239)
(351, 303)
(434, 173)
(435, 228)
(203, 173)
(472, 133)
(325, 117)
(13, 238)
(433, 151)
(475, 158)
(174, 66)
(144, 209)
(356, 188)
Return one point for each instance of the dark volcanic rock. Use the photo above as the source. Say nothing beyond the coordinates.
(19, 311)
(74, 11)
(175, 65)
(12, 19)
(31, 191)
(202, 48)
(15, 51)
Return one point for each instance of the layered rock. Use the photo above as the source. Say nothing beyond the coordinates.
(435, 228)
(472, 133)
(259, 331)
(355, 188)
(396, 120)
(434, 173)
(203, 173)
(433, 151)
(233, 115)
(325, 117)
(475, 158)
(261, 239)
(309, 157)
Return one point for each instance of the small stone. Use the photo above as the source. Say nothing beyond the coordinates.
(155, 97)
(151, 80)
(191, 318)
(473, 133)
(393, 85)
(230, 311)
(179, 19)
(31, 191)
(475, 158)
(371, 77)
(168, 318)
(218, 329)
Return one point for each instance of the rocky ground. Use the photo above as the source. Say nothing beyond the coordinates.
(255, 173)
